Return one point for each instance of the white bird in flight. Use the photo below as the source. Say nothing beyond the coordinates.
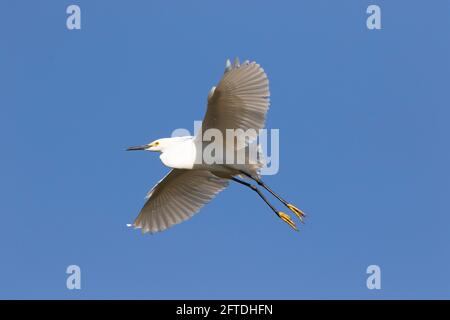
(240, 101)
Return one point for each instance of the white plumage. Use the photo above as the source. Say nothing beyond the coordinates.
(239, 101)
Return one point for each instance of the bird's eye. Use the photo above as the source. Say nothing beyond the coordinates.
(156, 144)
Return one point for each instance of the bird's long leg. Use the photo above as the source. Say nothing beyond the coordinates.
(300, 214)
(286, 218)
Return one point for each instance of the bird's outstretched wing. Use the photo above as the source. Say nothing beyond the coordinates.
(177, 197)
(240, 100)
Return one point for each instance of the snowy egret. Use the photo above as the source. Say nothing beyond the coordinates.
(240, 101)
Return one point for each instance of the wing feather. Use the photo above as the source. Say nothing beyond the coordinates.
(177, 197)
(240, 100)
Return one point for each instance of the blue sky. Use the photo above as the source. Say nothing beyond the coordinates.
(363, 118)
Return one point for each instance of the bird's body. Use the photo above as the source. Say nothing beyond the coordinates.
(239, 103)
(182, 152)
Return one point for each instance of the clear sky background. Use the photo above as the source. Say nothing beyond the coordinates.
(364, 148)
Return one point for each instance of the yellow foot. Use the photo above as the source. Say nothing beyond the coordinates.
(287, 219)
(300, 214)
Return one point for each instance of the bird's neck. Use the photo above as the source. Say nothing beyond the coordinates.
(179, 154)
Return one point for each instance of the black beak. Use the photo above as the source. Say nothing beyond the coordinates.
(143, 147)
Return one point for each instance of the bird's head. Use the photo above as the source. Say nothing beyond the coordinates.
(156, 145)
